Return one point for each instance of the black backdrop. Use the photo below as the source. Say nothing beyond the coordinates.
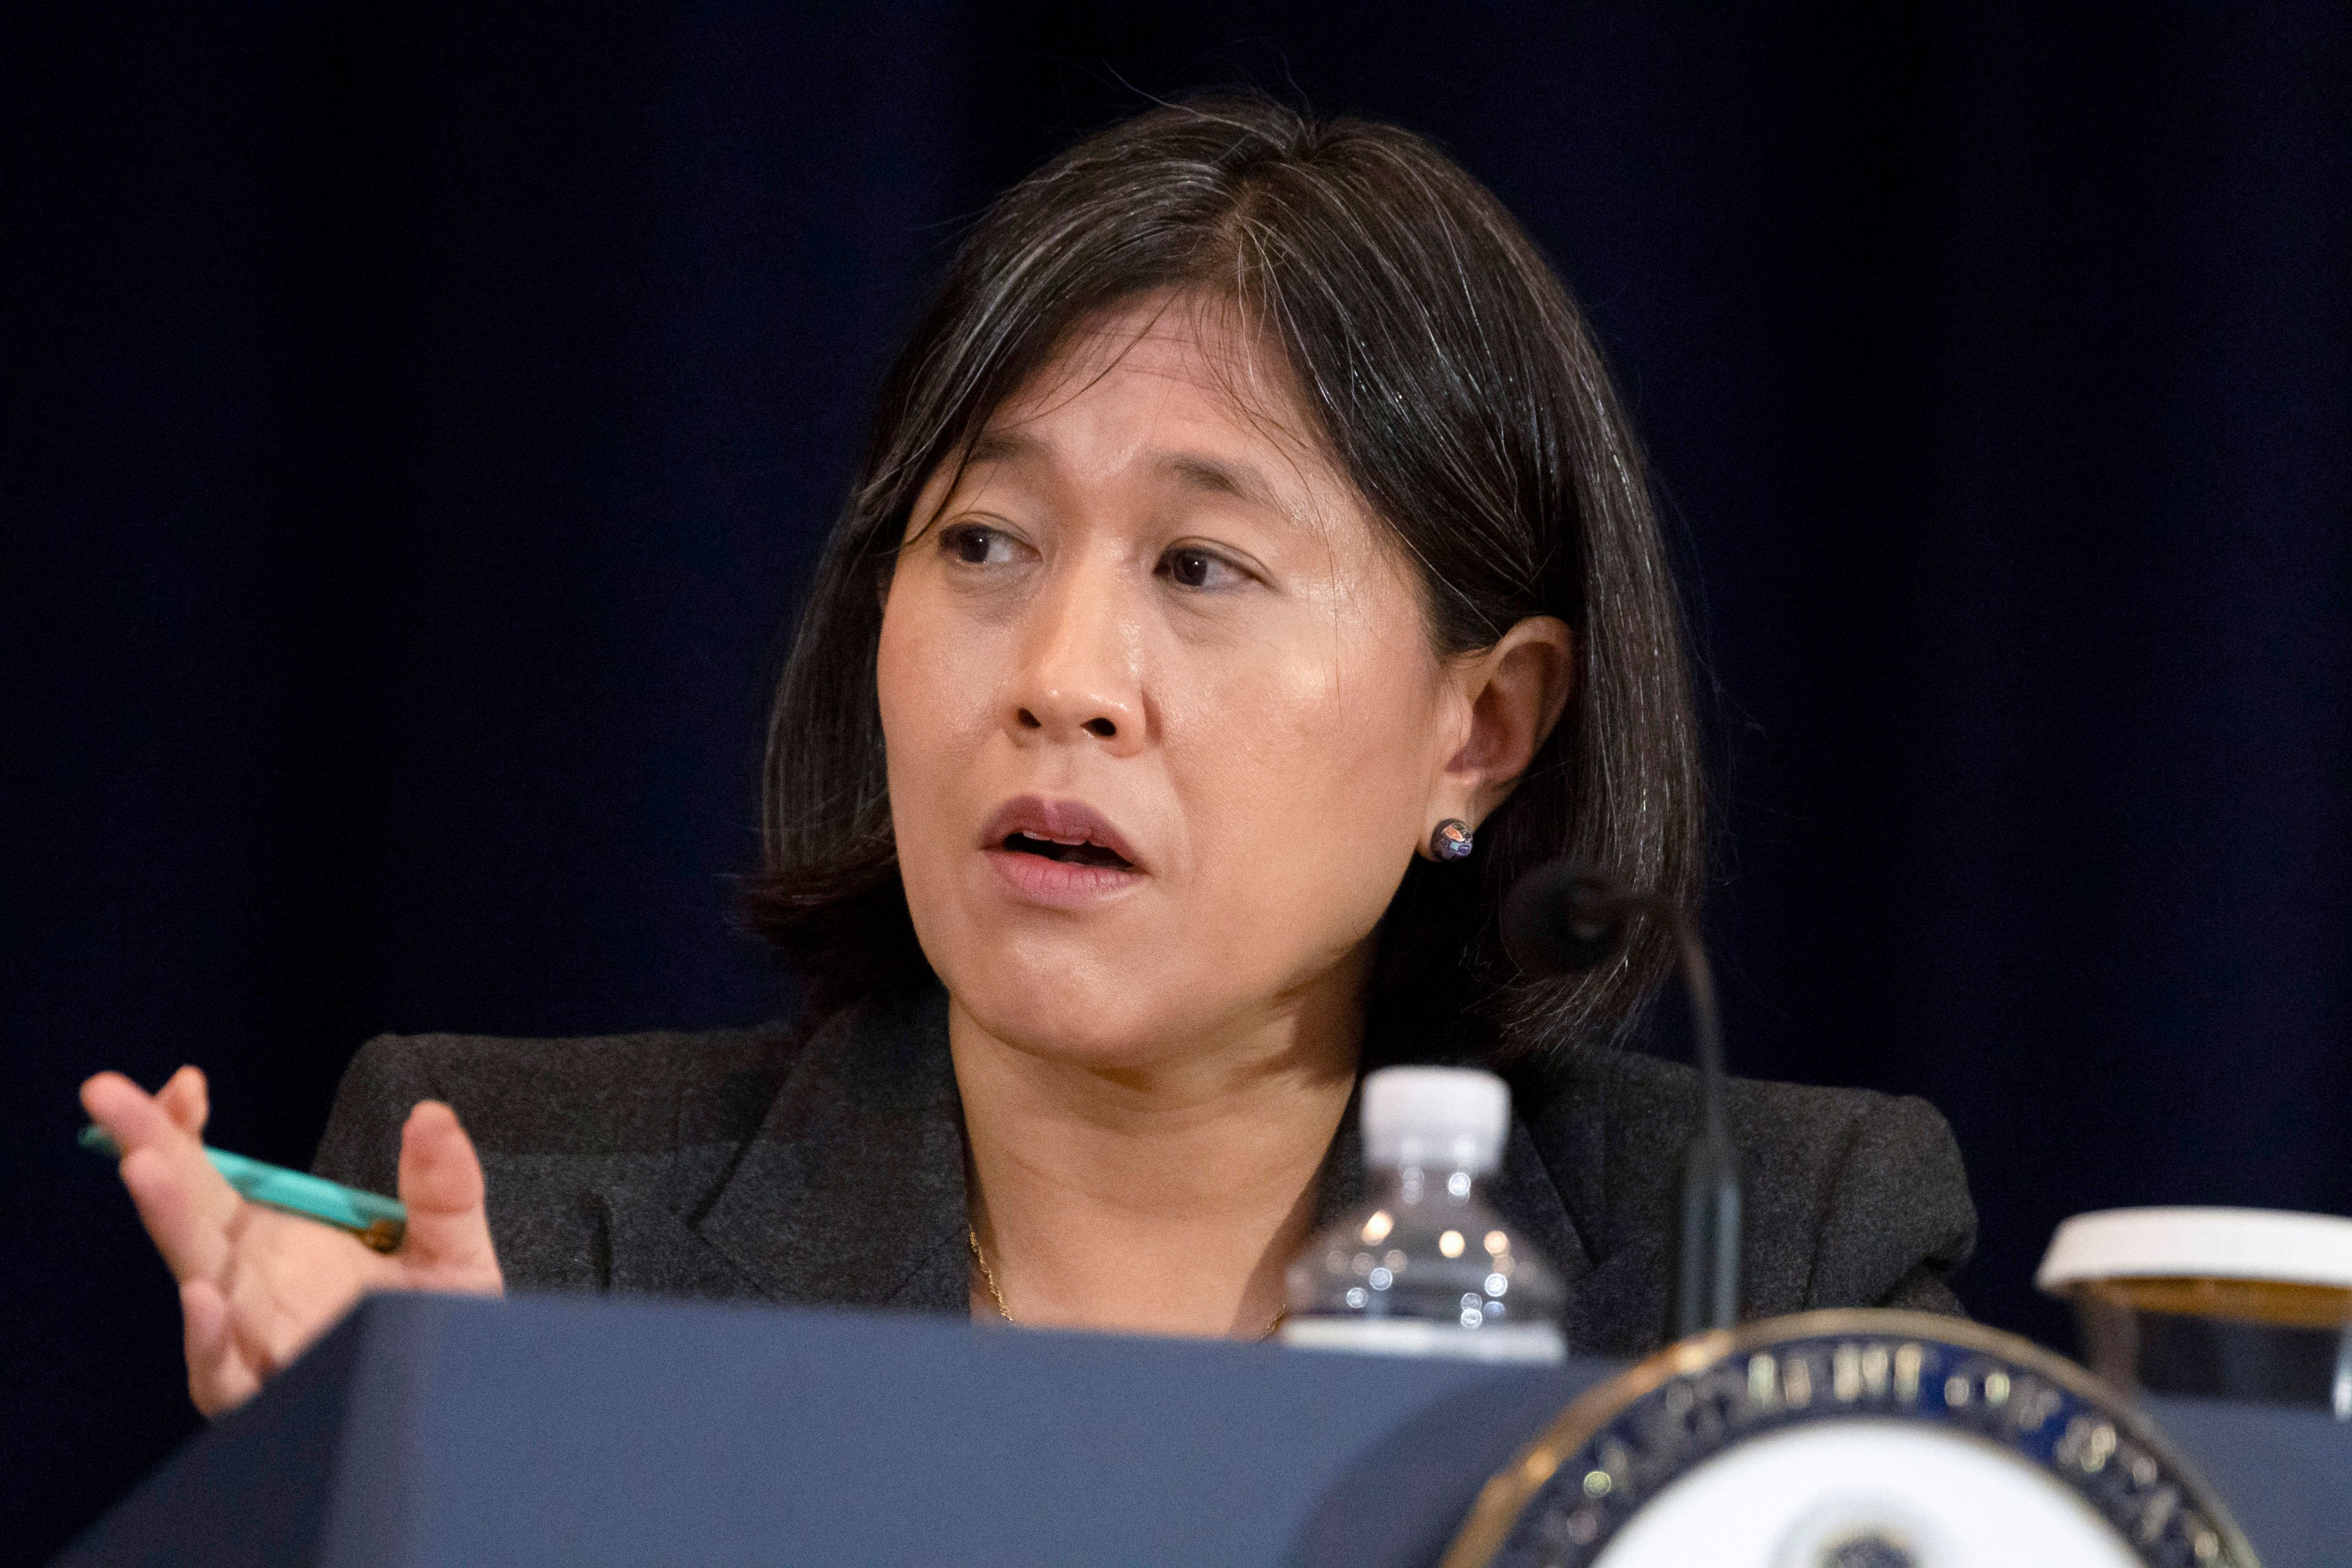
(416, 429)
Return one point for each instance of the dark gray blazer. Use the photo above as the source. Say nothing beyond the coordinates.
(825, 1164)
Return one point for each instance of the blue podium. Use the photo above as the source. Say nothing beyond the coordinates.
(445, 1431)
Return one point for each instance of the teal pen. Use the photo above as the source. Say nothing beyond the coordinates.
(375, 1219)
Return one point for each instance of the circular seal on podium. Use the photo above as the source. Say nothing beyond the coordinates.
(1850, 1439)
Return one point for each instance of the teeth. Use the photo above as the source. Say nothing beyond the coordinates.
(1028, 835)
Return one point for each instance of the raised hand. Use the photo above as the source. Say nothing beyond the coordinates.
(256, 1286)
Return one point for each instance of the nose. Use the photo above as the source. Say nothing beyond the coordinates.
(1079, 679)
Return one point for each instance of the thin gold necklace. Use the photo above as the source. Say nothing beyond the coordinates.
(988, 1277)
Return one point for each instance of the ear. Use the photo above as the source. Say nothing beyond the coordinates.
(1511, 695)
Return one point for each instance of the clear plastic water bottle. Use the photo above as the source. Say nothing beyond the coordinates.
(1427, 1267)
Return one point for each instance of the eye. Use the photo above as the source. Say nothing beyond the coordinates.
(1190, 567)
(974, 545)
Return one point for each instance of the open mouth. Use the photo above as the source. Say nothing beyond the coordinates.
(1080, 853)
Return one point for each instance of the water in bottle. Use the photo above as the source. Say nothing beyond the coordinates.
(1427, 1267)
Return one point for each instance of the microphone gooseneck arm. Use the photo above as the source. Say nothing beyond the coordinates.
(1562, 919)
(1706, 1273)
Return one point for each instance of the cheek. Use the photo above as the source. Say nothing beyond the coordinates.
(1306, 784)
(933, 678)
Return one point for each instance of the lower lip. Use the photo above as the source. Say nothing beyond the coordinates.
(1059, 884)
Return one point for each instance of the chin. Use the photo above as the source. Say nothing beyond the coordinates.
(1096, 1013)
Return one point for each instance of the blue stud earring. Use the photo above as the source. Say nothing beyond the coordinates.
(1451, 841)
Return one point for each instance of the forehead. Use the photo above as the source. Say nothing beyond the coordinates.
(1173, 371)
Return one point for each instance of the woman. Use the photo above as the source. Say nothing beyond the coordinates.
(1249, 528)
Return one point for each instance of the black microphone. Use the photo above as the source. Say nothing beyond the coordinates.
(1563, 919)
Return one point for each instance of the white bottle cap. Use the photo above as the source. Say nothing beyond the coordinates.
(2199, 1244)
(1442, 1119)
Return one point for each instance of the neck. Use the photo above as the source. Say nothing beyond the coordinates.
(1159, 1198)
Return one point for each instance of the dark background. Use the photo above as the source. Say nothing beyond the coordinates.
(414, 432)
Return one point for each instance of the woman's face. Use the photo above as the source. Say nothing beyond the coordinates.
(1164, 723)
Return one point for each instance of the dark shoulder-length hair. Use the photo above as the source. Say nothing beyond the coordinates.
(1455, 382)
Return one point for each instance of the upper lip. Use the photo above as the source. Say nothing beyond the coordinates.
(1063, 821)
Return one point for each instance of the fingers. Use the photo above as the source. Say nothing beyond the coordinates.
(128, 1111)
(294, 1280)
(181, 1218)
(219, 1378)
(256, 1287)
(441, 1181)
(185, 1205)
(185, 1100)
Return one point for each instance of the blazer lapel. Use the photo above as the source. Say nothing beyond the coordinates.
(1620, 1310)
(650, 1251)
(1618, 1307)
(1527, 1198)
(850, 1193)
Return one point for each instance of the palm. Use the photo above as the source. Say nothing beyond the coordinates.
(257, 1285)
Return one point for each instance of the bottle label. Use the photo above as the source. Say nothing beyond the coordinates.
(1516, 1342)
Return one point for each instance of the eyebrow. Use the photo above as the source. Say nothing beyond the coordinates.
(1239, 480)
(1001, 446)
(1214, 476)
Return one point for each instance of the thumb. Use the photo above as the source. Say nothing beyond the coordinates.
(448, 1233)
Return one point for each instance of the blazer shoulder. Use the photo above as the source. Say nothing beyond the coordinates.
(1851, 1197)
(594, 1097)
